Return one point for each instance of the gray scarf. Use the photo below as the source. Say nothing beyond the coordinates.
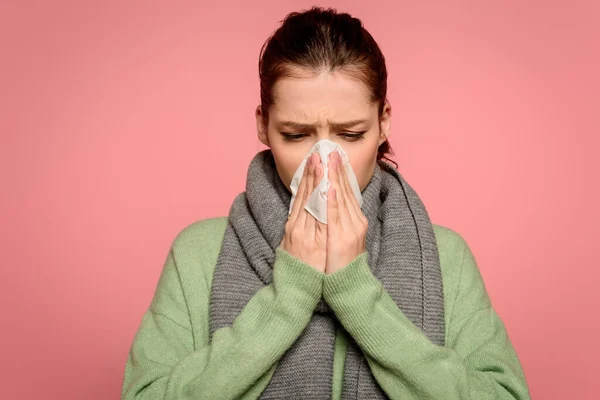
(402, 253)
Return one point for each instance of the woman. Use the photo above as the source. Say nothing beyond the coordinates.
(374, 302)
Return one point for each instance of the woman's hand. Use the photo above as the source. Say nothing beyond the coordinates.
(306, 237)
(346, 224)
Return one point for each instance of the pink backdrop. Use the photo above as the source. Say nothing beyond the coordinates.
(117, 118)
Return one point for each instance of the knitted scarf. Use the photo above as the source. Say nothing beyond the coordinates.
(402, 254)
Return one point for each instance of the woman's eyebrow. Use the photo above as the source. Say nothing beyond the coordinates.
(312, 127)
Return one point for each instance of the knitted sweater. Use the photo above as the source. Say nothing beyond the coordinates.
(171, 356)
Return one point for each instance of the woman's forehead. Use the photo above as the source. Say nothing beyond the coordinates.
(333, 96)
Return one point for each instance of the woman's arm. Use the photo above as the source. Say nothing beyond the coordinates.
(164, 362)
(478, 361)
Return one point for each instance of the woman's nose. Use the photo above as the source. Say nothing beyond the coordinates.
(324, 134)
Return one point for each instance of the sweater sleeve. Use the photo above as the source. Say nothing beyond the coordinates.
(478, 361)
(164, 362)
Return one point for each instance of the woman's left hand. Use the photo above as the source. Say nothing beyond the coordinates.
(346, 224)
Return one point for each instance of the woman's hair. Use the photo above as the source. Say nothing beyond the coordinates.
(323, 40)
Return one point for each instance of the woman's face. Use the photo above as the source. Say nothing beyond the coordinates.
(314, 108)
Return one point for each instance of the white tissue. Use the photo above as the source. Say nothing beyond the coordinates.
(317, 201)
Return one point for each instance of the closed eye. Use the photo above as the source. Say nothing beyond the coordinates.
(295, 137)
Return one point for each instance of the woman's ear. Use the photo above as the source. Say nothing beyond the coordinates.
(385, 122)
(261, 127)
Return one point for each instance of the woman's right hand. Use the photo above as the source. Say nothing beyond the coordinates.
(306, 237)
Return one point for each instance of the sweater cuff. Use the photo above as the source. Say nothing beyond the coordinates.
(345, 289)
(298, 280)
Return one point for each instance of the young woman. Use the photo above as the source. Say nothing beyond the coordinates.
(269, 302)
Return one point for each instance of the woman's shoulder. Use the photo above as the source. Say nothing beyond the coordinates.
(451, 244)
(451, 249)
(463, 285)
(201, 231)
(199, 244)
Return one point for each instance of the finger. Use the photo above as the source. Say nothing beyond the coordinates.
(332, 211)
(343, 212)
(350, 199)
(303, 215)
(318, 170)
(312, 183)
(321, 234)
(320, 227)
(310, 179)
(298, 202)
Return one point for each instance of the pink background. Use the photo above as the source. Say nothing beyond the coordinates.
(119, 120)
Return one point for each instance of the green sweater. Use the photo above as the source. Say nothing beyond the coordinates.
(171, 356)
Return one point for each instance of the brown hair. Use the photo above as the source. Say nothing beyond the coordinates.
(323, 40)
